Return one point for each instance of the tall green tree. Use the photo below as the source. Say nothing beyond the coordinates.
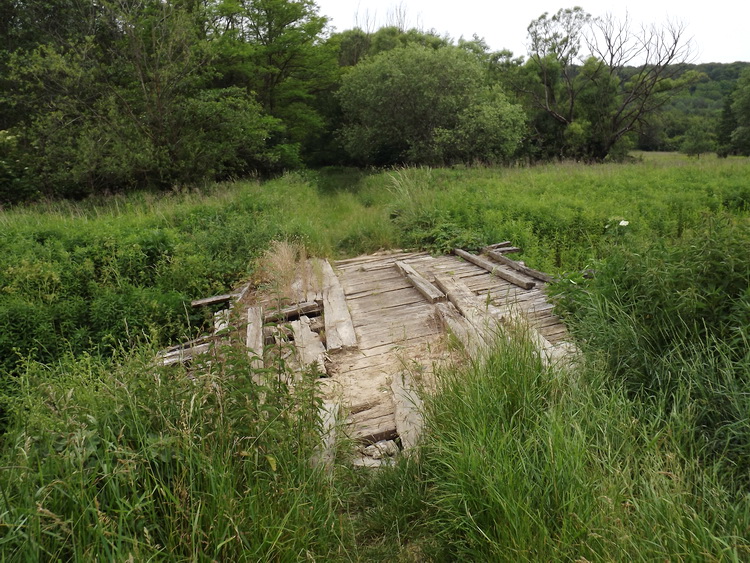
(276, 50)
(741, 111)
(592, 81)
(136, 111)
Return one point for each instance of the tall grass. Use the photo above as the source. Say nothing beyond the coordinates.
(523, 463)
(125, 461)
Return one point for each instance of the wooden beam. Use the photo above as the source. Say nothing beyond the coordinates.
(408, 410)
(325, 452)
(498, 257)
(494, 269)
(484, 318)
(505, 247)
(293, 311)
(429, 291)
(212, 300)
(338, 322)
(183, 355)
(255, 336)
(310, 349)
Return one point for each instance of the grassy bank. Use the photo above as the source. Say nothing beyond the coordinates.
(640, 453)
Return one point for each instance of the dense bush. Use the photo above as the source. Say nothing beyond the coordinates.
(420, 105)
(672, 322)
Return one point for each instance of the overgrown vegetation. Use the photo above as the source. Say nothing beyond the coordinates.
(114, 96)
(640, 452)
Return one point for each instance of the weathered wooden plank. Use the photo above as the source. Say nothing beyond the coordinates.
(310, 349)
(338, 322)
(183, 355)
(504, 244)
(292, 312)
(494, 269)
(498, 257)
(408, 409)
(472, 341)
(221, 320)
(484, 316)
(255, 336)
(214, 300)
(325, 452)
(429, 291)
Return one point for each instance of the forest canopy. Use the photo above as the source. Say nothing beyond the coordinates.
(117, 95)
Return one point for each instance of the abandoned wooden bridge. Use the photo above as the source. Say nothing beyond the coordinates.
(376, 327)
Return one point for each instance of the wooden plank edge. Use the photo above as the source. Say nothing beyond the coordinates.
(494, 269)
(498, 257)
(427, 289)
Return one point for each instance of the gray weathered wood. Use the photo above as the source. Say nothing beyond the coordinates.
(480, 315)
(408, 410)
(310, 349)
(212, 300)
(325, 453)
(293, 311)
(221, 320)
(498, 257)
(494, 269)
(338, 322)
(255, 335)
(183, 355)
(462, 329)
(429, 291)
(504, 247)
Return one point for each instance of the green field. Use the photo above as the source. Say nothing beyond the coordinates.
(643, 452)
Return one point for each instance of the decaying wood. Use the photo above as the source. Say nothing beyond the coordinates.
(221, 320)
(310, 349)
(373, 424)
(255, 335)
(407, 410)
(338, 322)
(325, 453)
(494, 269)
(483, 316)
(498, 257)
(216, 299)
(473, 342)
(292, 312)
(429, 291)
(505, 247)
(183, 355)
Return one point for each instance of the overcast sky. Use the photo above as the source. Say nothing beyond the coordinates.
(720, 28)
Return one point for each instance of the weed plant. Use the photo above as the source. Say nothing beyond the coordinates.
(122, 460)
(523, 463)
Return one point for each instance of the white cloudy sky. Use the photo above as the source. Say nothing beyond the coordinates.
(720, 28)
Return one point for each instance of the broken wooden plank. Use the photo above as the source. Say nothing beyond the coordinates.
(462, 329)
(429, 291)
(183, 355)
(216, 299)
(255, 336)
(408, 410)
(310, 349)
(325, 452)
(494, 269)
(221, 320)
(292, 312)
(498, 257)
(502, 247)
(373, 424)
(338, 322)
(484, 317)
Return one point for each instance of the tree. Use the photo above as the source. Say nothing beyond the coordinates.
(275, 49)
(417, 104)
(137, 111)
(600, 75)
(741, 111)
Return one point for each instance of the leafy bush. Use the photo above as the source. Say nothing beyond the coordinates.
(419, 105)
(673, 325)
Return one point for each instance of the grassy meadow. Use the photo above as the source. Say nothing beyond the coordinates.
(642, 452)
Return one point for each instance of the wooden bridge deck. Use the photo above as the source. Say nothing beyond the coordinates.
(399, 335)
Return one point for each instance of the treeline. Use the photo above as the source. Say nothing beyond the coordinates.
(123, 94)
